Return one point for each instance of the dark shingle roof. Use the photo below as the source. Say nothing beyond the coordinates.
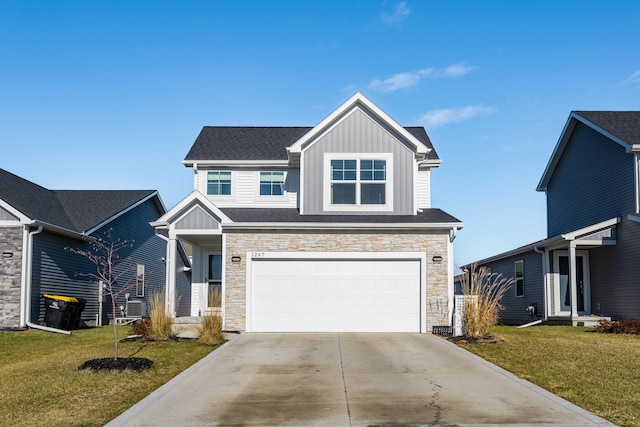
(75, 210)
(261, 143)
(428, 216)
(623, 124)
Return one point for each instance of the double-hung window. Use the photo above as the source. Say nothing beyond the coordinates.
(358, 181)
(271, 183)
(219, 183)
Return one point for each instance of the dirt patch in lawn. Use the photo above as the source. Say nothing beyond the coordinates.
(120, 364)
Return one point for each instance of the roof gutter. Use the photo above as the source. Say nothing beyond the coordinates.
(27, 265)
(340, 226)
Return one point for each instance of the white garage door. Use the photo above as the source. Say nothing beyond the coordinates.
(334, 296)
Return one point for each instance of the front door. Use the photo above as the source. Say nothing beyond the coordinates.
(563, 280)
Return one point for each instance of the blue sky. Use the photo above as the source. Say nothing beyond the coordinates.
(111, 94)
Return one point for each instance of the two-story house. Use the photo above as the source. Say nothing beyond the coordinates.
(588, 265)
(324, 228)
(38, 225)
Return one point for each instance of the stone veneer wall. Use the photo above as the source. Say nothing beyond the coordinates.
(10, 274)
(238, 243)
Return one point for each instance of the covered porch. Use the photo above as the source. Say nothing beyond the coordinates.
(567, 274)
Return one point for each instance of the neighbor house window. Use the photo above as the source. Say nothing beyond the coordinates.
(519, 278)
(358, 181)
(271, 183)
(219, 183)
(140, 280)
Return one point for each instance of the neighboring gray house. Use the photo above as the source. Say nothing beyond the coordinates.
(588, 265)
(325, 228)
(37, 224)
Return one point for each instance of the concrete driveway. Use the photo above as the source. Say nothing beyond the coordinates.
(348, 380)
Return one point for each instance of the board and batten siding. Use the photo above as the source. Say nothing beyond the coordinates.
(593, 182)
(6, 216)
(515, 308)
(359, 133)
(615, 271)
(245, 189)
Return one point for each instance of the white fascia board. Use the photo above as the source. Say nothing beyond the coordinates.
(122, 212)
(236, 163)
(591, 229)
(445, 226)
(195, 197)
(13, 211)
(358, 98)
(426, 164)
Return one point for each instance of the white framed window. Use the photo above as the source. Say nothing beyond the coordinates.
(219, 183)
(519, 278)
(272, 183)
(139, 280)
(358, 181)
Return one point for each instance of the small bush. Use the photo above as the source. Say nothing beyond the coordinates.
(160, 321)
(624, 326)
(141, 327)
(211, 331)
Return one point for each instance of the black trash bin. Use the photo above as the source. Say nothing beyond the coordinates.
(74, 322)
(59, 311)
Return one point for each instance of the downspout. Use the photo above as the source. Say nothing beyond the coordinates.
(26, 280)
(545, 283)
(452, 237)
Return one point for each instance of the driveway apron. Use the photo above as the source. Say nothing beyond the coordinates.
(345, 379)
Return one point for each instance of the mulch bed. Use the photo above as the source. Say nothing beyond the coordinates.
(120, 364)
(487, 339)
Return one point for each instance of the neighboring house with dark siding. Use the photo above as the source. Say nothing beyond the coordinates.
(588, 266)
(37, 224)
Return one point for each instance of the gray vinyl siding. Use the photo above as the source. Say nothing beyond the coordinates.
(58, 271)
(6, 216)
(197, 219)
(593, 182)
(515, 308)
(615, 274)
(359, 133)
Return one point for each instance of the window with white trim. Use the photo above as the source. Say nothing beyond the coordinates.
(359, 181)
(271, 183)
(519, 278)
(219, 183)
(139, 280)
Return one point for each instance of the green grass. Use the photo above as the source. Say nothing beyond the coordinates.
(41, 385)
(598, 372)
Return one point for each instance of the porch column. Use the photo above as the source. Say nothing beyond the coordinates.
(170, 287)
(572, 281)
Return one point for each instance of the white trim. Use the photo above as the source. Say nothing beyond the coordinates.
(22, 218)
(358, 157)
(235, 163)
(636, 180)
(341, 226)
(195, 197)
(284, 197)
(591, 229)
(556, 281)
(381, 256)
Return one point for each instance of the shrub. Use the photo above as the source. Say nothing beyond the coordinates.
(211, 330)
(141, 327)
(483, 308)
(160, 328)
(624, 326)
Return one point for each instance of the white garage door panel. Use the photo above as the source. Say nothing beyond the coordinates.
(335, 296)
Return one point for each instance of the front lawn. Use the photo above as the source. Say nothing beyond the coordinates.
(41, 385)
(598, 372)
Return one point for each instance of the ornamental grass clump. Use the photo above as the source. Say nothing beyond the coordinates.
(160, 328)
(211, 329)
(484, 291)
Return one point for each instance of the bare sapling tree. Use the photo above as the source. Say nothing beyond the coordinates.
(116, 274)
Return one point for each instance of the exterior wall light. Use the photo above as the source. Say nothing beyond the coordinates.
(235, 259)
(436, 258)
(7, 254)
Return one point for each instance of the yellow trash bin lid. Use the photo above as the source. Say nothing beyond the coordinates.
(61, 298)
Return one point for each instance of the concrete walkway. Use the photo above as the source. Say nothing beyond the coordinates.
(349, 380)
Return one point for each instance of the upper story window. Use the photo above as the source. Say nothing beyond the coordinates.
(271, 183)
(358, 181)
(219, 183)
